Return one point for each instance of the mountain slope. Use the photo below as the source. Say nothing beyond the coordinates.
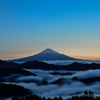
(47, 54)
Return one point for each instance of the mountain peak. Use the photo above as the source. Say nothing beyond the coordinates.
(48, 51)
(47, 54)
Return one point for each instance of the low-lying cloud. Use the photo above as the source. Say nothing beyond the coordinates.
(29, 78)
(64, 89)
(67, 62)
(87, 74)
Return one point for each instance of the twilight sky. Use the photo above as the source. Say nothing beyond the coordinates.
(71, 27)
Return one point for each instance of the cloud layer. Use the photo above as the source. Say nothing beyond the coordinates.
(66, 88)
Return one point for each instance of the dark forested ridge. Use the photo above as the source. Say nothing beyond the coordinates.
(9, 90)
(45, 66)
(4, 64)
(9, 71)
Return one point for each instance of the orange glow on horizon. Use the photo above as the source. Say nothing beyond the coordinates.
(74, 54)
(11, 57)
(87, 57)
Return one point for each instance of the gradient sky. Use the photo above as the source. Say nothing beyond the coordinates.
(71, 27)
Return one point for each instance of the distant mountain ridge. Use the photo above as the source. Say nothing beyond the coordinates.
(4, 64)
(47, 54)
(44, 66)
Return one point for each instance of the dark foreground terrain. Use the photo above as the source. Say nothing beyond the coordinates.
(9, 90)
(84, 96)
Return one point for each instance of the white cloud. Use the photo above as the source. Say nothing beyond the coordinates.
(66, 89)
(87, 74)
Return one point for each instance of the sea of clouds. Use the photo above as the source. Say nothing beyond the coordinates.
(66, 88)
(64, 62)
(67, 62)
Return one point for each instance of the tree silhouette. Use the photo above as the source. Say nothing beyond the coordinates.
(60, 98)
(85, 94)
(15, 98)
(91, 94)
(43, 98)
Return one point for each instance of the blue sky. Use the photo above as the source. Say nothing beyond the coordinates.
(67, 26)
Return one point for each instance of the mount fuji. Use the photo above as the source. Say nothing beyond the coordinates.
(47, 54)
